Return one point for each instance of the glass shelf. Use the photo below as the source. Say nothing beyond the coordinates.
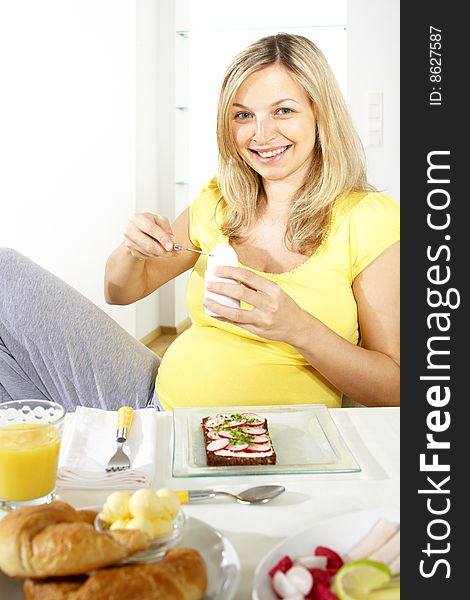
(181, 182)
(181, 107)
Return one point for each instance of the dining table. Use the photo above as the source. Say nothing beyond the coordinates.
(371, 434)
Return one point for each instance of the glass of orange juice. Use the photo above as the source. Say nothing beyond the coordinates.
(30, 435)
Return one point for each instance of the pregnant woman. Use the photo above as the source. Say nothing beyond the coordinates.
(318, 267)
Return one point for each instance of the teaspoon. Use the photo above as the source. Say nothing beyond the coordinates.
(255, 495)
(179, 247)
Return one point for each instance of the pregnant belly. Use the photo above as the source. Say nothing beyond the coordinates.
(206, 366)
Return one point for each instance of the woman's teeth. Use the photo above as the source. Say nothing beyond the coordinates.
(271, 152)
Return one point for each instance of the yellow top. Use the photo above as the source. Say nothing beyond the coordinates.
(218, 364)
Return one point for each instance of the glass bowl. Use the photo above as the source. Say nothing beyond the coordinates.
(156, 547)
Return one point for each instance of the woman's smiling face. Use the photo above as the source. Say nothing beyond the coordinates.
(274, 125)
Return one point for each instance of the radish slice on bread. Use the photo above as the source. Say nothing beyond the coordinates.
(254, 420)
(215, 421)
(259, 448)
(234, 423)
(260, 439)
(226, 434)
(219, 444)
(237, 447)
(254, 430)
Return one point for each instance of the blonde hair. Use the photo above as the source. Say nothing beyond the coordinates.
(337, 165)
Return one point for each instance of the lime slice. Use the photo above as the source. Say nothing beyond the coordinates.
(361, 579)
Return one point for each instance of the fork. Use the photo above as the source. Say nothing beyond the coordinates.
(120, 461)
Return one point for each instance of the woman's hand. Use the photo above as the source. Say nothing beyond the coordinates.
(275, 316)
(148, 235)
(138, 266)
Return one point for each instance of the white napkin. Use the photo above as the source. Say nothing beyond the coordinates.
(90, 441)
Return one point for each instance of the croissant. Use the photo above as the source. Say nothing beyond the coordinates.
(56, 540)
(180, 575)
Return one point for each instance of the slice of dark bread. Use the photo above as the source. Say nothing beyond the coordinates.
(244, 458)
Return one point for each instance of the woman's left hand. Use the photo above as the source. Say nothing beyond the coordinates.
(274, 316)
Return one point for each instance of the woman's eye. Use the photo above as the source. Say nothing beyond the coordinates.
(284, 111)
(243, 116)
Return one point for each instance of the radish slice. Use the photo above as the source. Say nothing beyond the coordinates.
(219, 444)
(283, 565)
(282, 585)
(300, 578)
(213, 435)
(259, 448)
(260, 439)
(312, 562)
(215, 421)
(236, 447)
(334, 560)
(254, 430)
(255, 420)
(226, 434)
(235, 423)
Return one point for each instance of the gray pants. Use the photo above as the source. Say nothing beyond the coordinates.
(57, 345)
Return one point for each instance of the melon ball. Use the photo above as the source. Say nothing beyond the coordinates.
(120, 524)
(117, 505)
(170, 501)
(145, 503)
(161, 527)
(142, 524)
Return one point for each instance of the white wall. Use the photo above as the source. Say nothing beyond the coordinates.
(148, 131)
(68, 135)
(374, 66)
(83, 144)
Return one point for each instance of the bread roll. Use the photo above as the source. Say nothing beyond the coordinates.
(88, 516)
(180, 575)
(54, 540)
(53, 589)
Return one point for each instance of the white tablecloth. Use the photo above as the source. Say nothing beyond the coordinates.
(372, 435)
